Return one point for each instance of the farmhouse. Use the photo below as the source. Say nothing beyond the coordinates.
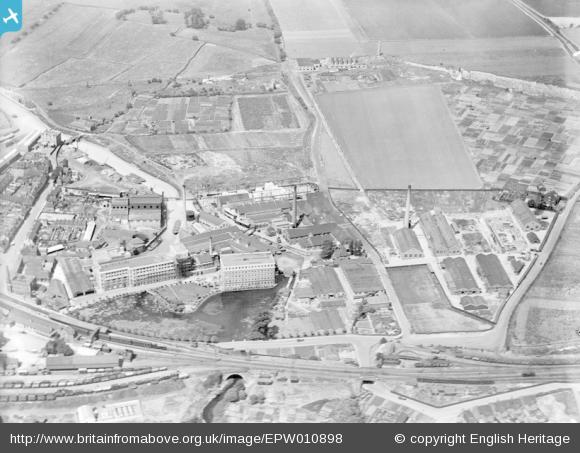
(440, 234)
(493, 274)
(522, 213)
(407, 243)
(458, 276)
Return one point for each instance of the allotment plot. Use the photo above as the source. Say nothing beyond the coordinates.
(393, 137)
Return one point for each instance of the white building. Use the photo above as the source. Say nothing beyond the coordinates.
(143, 270)
(244, 271)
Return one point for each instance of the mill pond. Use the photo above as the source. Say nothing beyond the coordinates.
(222, 317)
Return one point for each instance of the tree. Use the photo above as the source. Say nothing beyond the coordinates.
(241, 25)
(327, 248)
(58, 346)
(194, 18)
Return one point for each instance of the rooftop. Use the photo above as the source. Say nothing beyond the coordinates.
(145, 260)
(492, 271)
(246, 259)
(460, 277)
(406, 240)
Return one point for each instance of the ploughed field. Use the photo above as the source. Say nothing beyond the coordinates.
(396, 136)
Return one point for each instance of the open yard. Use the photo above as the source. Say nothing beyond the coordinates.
(425, 304)
(441, 19)
(398, 136)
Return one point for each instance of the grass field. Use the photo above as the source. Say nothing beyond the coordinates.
(315, 28)
(394, 137)
(440, 19)
(425, 304)
(266, 113)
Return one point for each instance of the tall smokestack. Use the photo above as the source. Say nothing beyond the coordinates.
(295, 208)
(184, 203)
(408, 209)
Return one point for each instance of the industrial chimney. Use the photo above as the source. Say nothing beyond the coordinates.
(407, 223)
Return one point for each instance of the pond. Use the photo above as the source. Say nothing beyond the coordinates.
(222, 317)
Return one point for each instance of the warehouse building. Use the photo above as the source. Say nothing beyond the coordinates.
(244, 271)
(493, 274)
(407, 243)
(459, 277)
(74, 362)
(138, 211)
(523, 215)
(441, 237)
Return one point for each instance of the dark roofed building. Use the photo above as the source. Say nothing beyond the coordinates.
(440, 235)
(492, 272)
(76, 281)
(407, 243)
(459, 277)
(361, 276)
(524, 216)
(74, 362)
(293, 234)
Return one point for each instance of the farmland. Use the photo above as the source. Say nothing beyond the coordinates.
(549, 315)
(441, 19)
(266, 113)
(515, 138)
(315, 28)
(559, 8)
(398, 136)
(177, 115)
(425, 304)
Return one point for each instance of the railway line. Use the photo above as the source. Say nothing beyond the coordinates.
(185, 355)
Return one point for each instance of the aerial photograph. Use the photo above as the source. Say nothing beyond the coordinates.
(290, 211)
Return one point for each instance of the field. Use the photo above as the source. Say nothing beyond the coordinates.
(315, 28)
(440, 19)
(556, 8)
(548, 317)
(266, 113)
(425, 304)
(372, 128)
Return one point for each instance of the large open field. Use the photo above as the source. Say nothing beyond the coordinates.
(315, 28)
(426, 305)
(549, 315)
(440, 19)
(556, 8)
(398, 136)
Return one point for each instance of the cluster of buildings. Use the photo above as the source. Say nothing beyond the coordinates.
(20, 186)
(331, 63)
